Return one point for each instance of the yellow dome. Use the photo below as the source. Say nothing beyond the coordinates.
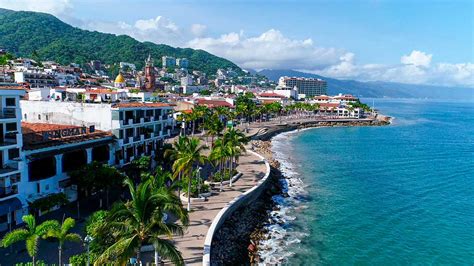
(119, 78)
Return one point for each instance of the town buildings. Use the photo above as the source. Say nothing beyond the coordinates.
(168, 61)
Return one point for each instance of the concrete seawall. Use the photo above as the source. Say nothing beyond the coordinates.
(237, 202)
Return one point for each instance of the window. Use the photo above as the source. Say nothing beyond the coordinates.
(10, 102)
(13, 154)
(4, 219)
(11, 127)
(25, 116)
(115, 115)
(46, 117)
(39, 117)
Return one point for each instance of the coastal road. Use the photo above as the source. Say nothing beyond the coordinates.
(191, 244)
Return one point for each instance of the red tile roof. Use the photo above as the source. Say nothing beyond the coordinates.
(140, 105)
(271, 95)
(101, 91)
(12, 88)
(321, 97)
(213, 103)
(328, 105)
(33, 137)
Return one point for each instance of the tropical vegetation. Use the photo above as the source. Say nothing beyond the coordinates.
(29, 33)
(31, 235)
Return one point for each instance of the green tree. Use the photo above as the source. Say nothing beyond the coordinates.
(234, 142)
(62, 234)
(142, 220)
(31, 235)
(214, 126)
(186, 159)
(219, 155)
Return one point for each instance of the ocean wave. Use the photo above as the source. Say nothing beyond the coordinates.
(280, 234)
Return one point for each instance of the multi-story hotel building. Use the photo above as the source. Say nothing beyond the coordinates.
(310, 87)
(139, 128)
(11, 207)
(36, 79)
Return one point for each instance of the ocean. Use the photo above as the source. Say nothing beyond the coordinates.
(393, 195)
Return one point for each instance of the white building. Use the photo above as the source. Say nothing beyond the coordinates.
(52, 151)
(187, 80)
(190, 89)
(36, 79)
(139, 127)
(309, 86)
(182, 62)
(12, 207)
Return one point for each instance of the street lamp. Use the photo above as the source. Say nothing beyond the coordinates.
(87, 240)
(199, 180)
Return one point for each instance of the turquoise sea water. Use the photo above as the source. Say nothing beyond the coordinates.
(396, 195)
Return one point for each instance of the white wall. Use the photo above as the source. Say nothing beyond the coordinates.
(68, 113)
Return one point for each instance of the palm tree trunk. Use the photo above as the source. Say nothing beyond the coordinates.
(157, 257)
(189, 189)
(194, 126)
(222, 174)
(60, 255)
(230, 171)
(139, 255)
(33, 260)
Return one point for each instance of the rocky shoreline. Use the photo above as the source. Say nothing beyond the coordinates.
(237, 241)
(231, 242)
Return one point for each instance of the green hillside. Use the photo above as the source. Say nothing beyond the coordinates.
(23, 33)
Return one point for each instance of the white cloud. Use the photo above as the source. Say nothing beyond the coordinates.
(198, 30)
(270, 49)
(55, 7)
(417, 58)
(158, 30)
(416, 68)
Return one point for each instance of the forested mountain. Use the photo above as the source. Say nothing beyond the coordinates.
(26, 33)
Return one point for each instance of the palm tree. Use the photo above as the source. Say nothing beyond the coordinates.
(214, 126)
(61, 233)
(178, 147)
(186, 158)
(202, 112)
(30, 235)
(142, 220)
(219, 155)
(235, 142)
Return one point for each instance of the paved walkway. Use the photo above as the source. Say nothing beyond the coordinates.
(203, 213)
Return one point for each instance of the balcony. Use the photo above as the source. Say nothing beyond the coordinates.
(8, 191)
(10, 138)
(8, 112)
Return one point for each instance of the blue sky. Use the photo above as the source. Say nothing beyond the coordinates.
(429, 42)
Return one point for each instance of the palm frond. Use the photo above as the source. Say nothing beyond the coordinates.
(15, 236)
(167, 250)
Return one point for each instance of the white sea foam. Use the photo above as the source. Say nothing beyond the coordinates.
(280, 236)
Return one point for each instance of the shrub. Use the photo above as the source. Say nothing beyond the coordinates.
(195, 187)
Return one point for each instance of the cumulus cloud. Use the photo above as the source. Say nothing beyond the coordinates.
(270, 49)
(157, 30)
(417, 58)
(198, 30)
(415, 68)
(55, 7)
